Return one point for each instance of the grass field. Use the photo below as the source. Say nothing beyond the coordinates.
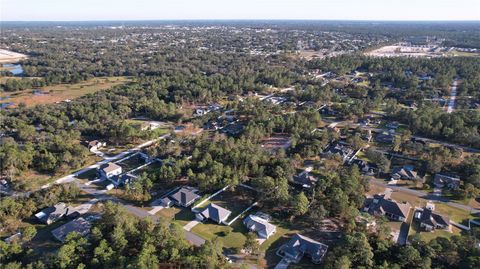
(231, 236)
(428, 236)
(236, 201)
(61, 92)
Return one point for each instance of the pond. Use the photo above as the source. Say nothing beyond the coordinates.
(16, 69)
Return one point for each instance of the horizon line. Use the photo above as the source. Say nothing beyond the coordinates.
(179, 20)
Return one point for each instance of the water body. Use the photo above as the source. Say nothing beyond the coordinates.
(5, 105)
(16, 69)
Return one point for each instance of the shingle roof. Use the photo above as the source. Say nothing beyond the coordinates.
(53, 213)
(79, 225)
(185, 196)
(109, 167)
(380, 204)
(300, 243)
(433, 219)
(259, 225)
(216, 213)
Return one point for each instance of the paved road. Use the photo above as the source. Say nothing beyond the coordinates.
(420, 138)
(453, 97)
(71, 177)
(426, 196)
(139, 212)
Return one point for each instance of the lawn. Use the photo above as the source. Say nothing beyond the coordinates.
(182, 216)
(61, 92)
(149, 168)
(455, 214)
(131, 163)
(231, 236)
(236, 201)
(428, 236)
(88, 175)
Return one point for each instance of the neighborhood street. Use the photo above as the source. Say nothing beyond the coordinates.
(426, 196)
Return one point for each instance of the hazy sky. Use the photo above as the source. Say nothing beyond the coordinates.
(31, 10)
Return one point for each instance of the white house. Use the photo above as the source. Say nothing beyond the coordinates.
(109, 170)
(262, 227)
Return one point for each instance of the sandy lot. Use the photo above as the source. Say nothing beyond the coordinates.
(7, 56)
(402, 50)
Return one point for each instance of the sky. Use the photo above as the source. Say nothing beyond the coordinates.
(82, 10)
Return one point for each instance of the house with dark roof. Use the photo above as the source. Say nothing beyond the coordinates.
(215, 213)
(405, 172)
(52, 214)
(365, 167)
(382, 205)
(344, 151)
(305, 179)
(262, 227)
(385, 138)
(430, 220)
(80, 226)
(444, 181)
(185, 196)
(299, 246)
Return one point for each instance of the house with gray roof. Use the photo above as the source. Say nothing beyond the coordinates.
(185, 196)
(52, 214)
(80, 226)
(262, 227)
(300, 246)
(445, 181)
(215, 213)
(430, 220)
(405, 172)
(382, 205)
(305, 179)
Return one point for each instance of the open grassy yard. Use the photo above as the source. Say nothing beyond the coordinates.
(428, 236)
(131, 163)
(236, 201)
(232, 237)
(61, 92)
(181, 216)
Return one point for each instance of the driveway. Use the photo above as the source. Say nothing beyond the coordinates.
(190, 225)
(283, 264)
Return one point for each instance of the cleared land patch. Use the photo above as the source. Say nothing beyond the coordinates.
(61, 92)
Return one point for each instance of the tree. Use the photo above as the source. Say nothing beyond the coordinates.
(300, 204)
(251, 244)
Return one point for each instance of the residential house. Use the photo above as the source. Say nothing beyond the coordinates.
(261, 226)
(96, 145)
(305, 179)
(123, 179)
(430, 220)
(52, 214)
(215, 213)
(393, 125)
(382, 205)
(80, 226)
(444, 181)
(386, 138)
(299, 246)
(405, 173)
(365, 167)
(185, 196)
(344, 151)
(109, 170)
(166, 202)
